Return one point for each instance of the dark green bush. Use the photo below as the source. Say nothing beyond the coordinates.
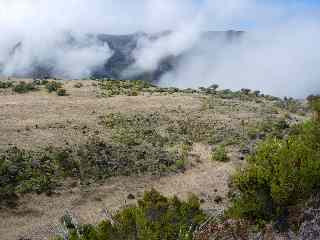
(37, 82)
(23, 171)
(53, 86)
(23, 87)
(155, 217)
(6, 84)
(280, 174)
(61, 92)
(100, 160)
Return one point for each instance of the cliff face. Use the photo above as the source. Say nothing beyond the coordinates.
(123, 48)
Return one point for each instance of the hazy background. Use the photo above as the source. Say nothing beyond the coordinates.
(279, 54)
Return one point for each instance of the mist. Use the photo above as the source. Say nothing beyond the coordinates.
(282, 61)
(278, 53)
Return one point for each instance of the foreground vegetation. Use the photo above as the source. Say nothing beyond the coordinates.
(280, 175)
(155, 217)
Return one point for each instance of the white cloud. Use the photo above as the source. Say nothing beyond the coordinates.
(280, 55)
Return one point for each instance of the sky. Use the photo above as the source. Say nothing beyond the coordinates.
(123, 16)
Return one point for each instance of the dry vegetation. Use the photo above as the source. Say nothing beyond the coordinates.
(125, 138)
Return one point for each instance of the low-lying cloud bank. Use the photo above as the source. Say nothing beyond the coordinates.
(62, 56)
(282, 61)
(279, 53)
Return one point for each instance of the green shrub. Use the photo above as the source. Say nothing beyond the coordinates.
(23, 171)
(61, 92)
(23, 87)
(53, 86)
(44, 82)
(155, 217)
(37, 82)
(112, 88)
(6, 84)
(280, 174)
(100, 160)
(219, 154)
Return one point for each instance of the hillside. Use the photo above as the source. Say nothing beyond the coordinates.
(120, 138)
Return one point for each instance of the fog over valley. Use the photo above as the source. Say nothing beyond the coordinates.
(236, 44)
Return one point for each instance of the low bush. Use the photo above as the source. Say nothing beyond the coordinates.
(100, 160)
(219, 154)
(281, 173)
(112, 88)
(6, 84)
(23, 171)
(23, 87)
(53, 86)
(155, 217)
(62, 92)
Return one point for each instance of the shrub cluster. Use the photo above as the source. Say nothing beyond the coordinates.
(155, 217)
(280, 174)
(6, 84)
(43, 170)
(54, 86)
(100, 160)
(144, 132)
(124, 87)
(24, 87)
(23, 171)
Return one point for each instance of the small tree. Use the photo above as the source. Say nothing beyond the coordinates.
(245, 91)
(214, 87)
(314, 102)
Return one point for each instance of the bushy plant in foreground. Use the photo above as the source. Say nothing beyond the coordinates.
(155, 217)
(280, 174)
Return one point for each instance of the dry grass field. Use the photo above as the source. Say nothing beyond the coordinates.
(39, 119)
